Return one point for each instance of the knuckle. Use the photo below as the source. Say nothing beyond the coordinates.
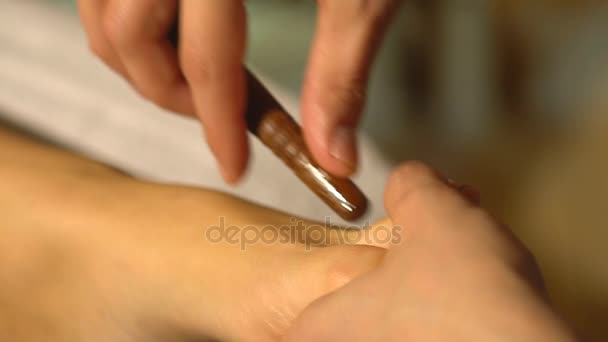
(349, 94)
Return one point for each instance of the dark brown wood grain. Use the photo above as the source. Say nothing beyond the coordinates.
(269, 121)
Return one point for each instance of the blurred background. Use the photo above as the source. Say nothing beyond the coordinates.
(509, 96)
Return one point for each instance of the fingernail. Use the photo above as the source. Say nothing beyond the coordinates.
(343, 146)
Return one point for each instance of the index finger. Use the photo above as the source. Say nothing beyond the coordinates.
(212, 47)
(347, 38)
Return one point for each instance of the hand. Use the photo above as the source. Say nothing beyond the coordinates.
(90, 254)
(205, 78)
(456, 276)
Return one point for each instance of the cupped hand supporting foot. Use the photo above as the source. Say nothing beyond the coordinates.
(457, 275)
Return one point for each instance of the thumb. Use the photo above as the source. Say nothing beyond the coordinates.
(422, 202)
(347, 37)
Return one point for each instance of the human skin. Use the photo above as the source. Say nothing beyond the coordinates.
(90, 254)
(458, 275)
(205, 77)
